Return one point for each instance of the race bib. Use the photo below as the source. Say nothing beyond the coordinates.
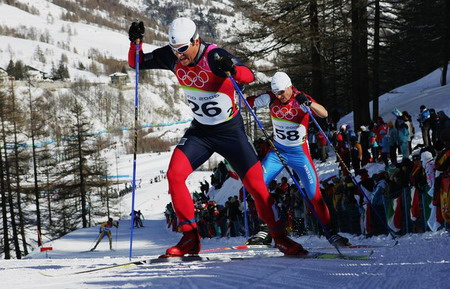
(288, 133)
(209, 108)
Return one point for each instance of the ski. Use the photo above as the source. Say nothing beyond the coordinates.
(242, 247)
(358, 246)
(147, 262)
(255, 247)
(220, 257)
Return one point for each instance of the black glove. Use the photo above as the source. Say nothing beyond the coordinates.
(224, 63)
(136, 31)
(303, 99)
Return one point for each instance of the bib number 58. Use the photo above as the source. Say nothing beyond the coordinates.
(291, 135)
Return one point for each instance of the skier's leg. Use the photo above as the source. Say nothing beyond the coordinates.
(300, 160)
(100, 237)
(190, 153)
(244, 161)
(110, 239)
(271, 166)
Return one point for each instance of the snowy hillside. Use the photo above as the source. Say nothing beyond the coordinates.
(42, 35)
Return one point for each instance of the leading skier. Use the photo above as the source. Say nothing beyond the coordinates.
(201, 68)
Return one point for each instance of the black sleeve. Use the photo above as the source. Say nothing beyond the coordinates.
(221, 52)
(160, 58)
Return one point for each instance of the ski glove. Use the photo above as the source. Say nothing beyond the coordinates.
(224, 63)
(303, 99)
(136, 31)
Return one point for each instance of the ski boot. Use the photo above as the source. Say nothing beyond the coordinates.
(188, 245)
(337, 240)
(261, 238)
(288, 246)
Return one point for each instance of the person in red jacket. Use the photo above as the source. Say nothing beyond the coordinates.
(201, 69)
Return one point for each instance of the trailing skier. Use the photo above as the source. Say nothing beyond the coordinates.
(290, 126)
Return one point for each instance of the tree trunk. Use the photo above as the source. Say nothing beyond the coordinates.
(360, 91)
(4, 212)
(315, 46)
(376, 62)
(17, 176)
(35, 172)
(82, 181)
(446, 47)
(9, 189)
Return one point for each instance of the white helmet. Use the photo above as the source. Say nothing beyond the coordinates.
(182, 31)
(280, 81)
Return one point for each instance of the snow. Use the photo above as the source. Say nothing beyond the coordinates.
(419, 261)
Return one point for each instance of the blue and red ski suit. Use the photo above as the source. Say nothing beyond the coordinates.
(290, 127)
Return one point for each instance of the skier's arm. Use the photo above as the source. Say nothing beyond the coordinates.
(318, 110)
(160, 58)
(221, 60)
(257, 101)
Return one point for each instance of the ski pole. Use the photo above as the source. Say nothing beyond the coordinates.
(351, 175)
(244, 197)
(272, 145)
(117, 232)
(136, 111)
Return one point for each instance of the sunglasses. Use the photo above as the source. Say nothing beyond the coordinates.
(181, 49)
(278, 92)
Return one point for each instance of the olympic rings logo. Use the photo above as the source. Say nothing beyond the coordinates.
(192, 78)
(284, 112)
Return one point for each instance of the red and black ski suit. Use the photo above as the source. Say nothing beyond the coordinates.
(217, 127)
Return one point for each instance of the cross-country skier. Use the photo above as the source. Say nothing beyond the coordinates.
(201, 68)
(105, 228)
(290, 122)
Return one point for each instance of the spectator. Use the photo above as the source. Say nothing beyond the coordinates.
(443, 127)
(344, 152)
(442, 183)
(355, 153)
(425, 125)
(403, 136)
(408, 120)
(379, 126)
(364, 136)
(323, 145)
(434, 120)
(385, 148)
(393, 142)
(374, 144)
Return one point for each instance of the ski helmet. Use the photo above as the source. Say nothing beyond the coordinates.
(182, 31)
(280, 81)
